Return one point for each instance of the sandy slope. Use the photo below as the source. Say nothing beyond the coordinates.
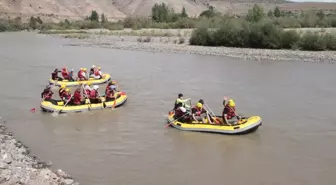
(119, 9)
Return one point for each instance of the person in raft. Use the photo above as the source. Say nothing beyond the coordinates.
(61, 91)
(77, 97)
(198, 113)
(92, 71)
(71, 76)
(229, 113)
(110, 90)
(66, 96)
(65, 73)
(94, 95)
(181, 100)
(54, 75)
(47, 93)
(181, 114)
(87, 89)
(82, 74)
(97, 74)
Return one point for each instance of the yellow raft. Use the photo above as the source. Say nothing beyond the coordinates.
(245, 126)
(106, 78)
(58, 105)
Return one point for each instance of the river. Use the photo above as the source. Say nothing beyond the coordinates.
(130, 145)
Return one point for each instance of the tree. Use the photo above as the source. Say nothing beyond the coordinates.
(161, 13)
(209, 13)
(38, 19)
(32, 23)
(256, 14)
(103, 19)
(94, 16)
(277, 12)
(320, 14)
(184, 13)
(270, 13)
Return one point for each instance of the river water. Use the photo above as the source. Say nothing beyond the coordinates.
(130, 145)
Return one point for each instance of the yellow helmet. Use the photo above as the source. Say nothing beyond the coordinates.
(67, 90)
(199, 105)
(113, 82)
(84, 69)
(99, 67)
(63, 86)
(231, 103)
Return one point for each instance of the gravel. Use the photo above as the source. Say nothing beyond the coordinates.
(19, 166)
(173, 44)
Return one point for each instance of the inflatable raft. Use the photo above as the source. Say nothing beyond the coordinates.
(106, 78)
(58, 105)
(245, 126)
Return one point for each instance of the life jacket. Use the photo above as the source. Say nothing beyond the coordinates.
(47, 94)
(109, 93)
(229, 111)
(93, 94)
(66, 96)
(54, 75)
(60, 92)
(179, 112)
(80, 74)
(197, 111)
(96, 73)
(65, 73)
(77, 97)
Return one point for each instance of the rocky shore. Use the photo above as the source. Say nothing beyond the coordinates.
(180, 44)
(19, 166)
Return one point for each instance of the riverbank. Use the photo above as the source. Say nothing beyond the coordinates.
(177, 41)
(19, 166)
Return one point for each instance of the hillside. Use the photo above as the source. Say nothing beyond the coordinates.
(54, 10)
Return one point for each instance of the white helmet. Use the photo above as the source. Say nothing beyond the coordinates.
(95, 87)
(93, 66)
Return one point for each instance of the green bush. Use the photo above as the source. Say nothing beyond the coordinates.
(290, 39)
(313, 41)
(201, 36)
(261, 35)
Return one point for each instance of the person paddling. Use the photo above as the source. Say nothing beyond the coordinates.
(46, 95)
(181, 114)
(229, 112)
(181, 100)
(67, 96)
(77, 97)
(82, 74)
(65, 73)
(54, 75)
(94, 95)
(61, 91)
(199, 113)
(92, 71)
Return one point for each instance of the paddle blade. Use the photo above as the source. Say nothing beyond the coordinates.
(122, 93)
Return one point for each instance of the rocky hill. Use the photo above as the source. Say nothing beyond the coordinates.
(119, 9)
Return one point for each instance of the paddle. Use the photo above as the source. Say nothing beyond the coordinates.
(66, 104)
(104, 105)
(87, 96)
(175, 120)
(212, 114)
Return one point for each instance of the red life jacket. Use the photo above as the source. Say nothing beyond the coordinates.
(65, 74)
(47, 94)
(77, 97)
(86, 92)
(109, 93)
(197, 111)
(93, 94)
(80, 75)
(229, 111)
(96, 73)
(66, 96)
(60, 92)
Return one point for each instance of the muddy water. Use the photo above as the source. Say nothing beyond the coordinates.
(130, 145)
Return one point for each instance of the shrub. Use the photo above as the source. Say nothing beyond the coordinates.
(290, 39)
(313, 41)
(201, 36)
(331, 42)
